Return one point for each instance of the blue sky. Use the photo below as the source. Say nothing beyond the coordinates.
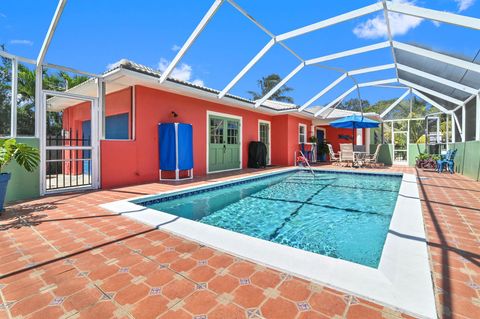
(93, 34)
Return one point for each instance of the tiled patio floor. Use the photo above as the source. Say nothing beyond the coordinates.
(64, 257)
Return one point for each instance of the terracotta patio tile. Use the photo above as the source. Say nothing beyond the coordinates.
(221, 284)
(200, 302)
(327, 303)
(201, 273)
(103, 309)
(220, 261)
(178, 288)
(143, 268)
(203, 253)
(70, 286)
(132, 294)
(311, 315)
(31, 304)
(362, 312)
(266, 278)
(241, 269)
(150, 307)
(178, 314)
(116, 282)
(183, 264)
(82, 299)
(230, 311)
(159, 277)
(279, 308)
(295, 290)
(248, 296)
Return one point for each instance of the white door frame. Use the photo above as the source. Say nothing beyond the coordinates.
(393, 147)
(269, 138)
(235, 117)
(93, 148)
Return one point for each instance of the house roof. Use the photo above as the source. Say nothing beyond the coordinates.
(89, 88)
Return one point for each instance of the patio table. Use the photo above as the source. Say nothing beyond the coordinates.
(358, 158)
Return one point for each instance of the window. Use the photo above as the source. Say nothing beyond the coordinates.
(302, 133)
(232, 132)
(216, 131)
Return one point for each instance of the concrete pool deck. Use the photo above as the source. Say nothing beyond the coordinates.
(64, 256)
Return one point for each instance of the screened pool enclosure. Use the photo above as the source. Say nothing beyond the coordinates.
(445, 84)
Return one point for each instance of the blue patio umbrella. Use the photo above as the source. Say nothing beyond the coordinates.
(353, 122)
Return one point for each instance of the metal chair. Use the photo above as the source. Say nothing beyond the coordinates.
(346, 154)
(334, 158)
(447, 162)
(372, 159)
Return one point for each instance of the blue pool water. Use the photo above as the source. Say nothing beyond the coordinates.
(345, 216)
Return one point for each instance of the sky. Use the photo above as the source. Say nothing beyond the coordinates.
(92, 35)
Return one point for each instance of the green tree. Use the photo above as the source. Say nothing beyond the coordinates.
(57, 81)
(267, 83)
(354, 105)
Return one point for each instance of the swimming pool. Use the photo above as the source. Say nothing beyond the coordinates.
(339, 215)
(402, 278)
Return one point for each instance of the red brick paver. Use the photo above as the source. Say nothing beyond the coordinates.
(65, 257)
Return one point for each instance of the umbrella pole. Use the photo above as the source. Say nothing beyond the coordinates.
(353, 135)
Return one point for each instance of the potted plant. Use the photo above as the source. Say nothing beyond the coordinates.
(421, 159)
(322, 151)
(25, 156)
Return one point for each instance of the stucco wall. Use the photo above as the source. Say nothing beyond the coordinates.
(22, 184)
(134, 162)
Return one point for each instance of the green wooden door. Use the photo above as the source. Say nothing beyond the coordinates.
(224, 143)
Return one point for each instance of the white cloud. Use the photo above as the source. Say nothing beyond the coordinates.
(376, 27)
(176, 47)
(21, 42)
(464, 4)
(198, 82)
(182, 72)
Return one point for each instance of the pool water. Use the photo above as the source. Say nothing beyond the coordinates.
(345, 216)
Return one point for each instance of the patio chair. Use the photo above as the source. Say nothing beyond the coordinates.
(372, 159)
(334, 158)
(447, 162)
(346, 154)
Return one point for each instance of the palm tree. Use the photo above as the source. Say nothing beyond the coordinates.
(267, 83)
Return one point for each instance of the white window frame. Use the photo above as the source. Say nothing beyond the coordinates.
(131, 118)
(304, 133)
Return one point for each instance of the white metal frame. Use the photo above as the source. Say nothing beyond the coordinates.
(227, 115)
(94, 147)
(353, 88)
(385, 6)
(269, 138)
(394, 104)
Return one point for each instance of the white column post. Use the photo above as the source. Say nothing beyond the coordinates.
(463, 123)
(477, 119)
(13, 112)
(446, 131)
(101, 107)
(38, 99)
(453, 129)
(367, 140)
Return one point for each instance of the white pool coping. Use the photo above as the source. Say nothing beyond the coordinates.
(402, 281)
